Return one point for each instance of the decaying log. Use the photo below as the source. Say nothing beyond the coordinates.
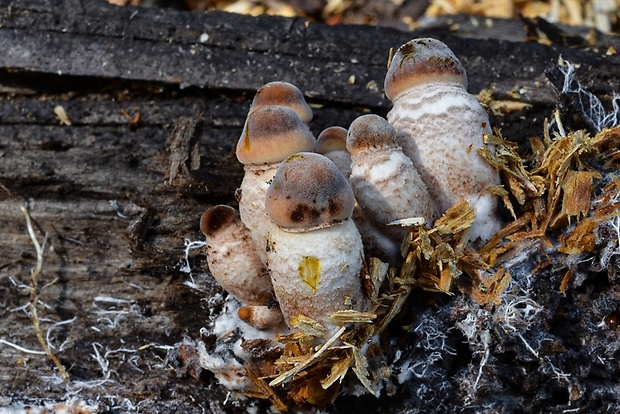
(154, 102)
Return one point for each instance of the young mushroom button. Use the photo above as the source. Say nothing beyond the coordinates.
(271, 134)
(284, 94)
(440, 126)
(332, 142)
(232, 257)
(386, 184)
(316, 252)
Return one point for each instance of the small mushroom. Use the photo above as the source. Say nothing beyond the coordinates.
(386, 184)
(232, 258)
(261, 316)
(284, 94)
(332, 143)
(440, 126)
(270, 134)
(316, 253)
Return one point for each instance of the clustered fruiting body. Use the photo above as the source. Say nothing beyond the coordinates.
(307, 221)
(271, 133)
(440, 127)
(386, 184)
(315, 252)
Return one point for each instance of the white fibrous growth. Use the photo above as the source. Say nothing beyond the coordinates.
(590, 105)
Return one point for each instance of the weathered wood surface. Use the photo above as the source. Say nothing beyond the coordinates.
(100, 187)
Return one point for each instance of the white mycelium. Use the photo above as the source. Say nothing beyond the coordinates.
(440, 126)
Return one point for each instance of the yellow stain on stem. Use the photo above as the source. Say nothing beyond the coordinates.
(310, 271)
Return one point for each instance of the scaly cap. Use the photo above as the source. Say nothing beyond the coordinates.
(308, 192)
(419, 62)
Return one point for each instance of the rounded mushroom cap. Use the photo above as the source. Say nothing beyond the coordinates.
(284, 94)
(419, 62)
(308, 192)
(271, 134)
(331, 139)
(217, 218)
(369, 133)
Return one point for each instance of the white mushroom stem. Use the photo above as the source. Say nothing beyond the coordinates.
(441, 128)
(252, 204)
(317, 273)
(376, 242)
(386, 184)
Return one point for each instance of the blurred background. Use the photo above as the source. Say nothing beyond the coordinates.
(602, 15)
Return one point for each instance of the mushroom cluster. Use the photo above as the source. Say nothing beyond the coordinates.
(293, 251)
(311, 211)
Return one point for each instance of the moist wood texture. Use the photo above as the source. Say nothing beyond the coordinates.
(157, 94)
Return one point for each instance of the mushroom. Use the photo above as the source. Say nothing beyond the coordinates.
(284, 94)
(261, 316)
(440, 126)
(385, 183)
(270, 134)
(332, 143)
(233, 261)
(315, 250)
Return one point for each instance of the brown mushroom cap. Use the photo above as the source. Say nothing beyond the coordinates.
(369, 133)
(271, 134)
(419, 62)
(331, 139)
(217, 218)
(284, 94)
(308, 192)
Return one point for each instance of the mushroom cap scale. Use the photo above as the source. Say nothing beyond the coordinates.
(308, 192)
(422, 61)
(369, 134)
(271, 134)
(283, 94)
